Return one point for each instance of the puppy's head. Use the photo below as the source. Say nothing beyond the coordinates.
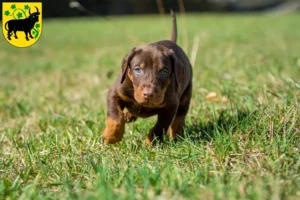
(151, 69)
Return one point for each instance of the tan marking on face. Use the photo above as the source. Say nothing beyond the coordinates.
(138, 94)
(142, 65)
(114, 130)
(177, 127)
(130, 75)
(160, 67)
(156, 102)
(153, 103)
(163, 90)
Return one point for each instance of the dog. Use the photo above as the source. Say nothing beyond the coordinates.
(156, 79)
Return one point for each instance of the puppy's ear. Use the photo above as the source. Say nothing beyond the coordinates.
(126, 63)
(177, 67)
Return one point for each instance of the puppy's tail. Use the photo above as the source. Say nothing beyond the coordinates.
(174, 27)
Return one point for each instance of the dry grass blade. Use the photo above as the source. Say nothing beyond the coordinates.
(194, 50)
(161, 9)
(185, 39)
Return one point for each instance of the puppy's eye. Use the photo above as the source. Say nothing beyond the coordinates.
(164, 73)
(137, 70)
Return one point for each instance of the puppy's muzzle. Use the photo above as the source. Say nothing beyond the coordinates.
(147, 92)
(148, 95)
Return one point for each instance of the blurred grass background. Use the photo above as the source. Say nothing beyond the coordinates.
(53, 105)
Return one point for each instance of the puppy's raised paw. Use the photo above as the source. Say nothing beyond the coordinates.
(128, 118)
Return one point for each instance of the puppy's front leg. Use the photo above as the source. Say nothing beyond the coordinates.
(115, 123)
(164, 119)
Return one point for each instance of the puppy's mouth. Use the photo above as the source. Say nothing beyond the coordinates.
(149, 102)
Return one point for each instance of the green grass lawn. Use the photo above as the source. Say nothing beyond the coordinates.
(53, 109)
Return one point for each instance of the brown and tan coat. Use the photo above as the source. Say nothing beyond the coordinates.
(156, 79)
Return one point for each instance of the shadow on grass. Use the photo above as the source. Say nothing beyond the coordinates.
(225, 122)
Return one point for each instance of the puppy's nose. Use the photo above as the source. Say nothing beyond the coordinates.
(147, 93)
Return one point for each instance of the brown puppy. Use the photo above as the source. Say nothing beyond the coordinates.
(156, 79)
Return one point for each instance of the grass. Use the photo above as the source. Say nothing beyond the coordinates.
(53, 105)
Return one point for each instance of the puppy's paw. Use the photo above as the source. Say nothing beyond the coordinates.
(114, 131)
(149, 140)
(128, 117)
(154, 137)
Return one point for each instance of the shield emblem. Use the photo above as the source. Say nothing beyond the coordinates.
(22, 23)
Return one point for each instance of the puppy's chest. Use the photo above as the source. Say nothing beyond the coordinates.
(140, 111)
